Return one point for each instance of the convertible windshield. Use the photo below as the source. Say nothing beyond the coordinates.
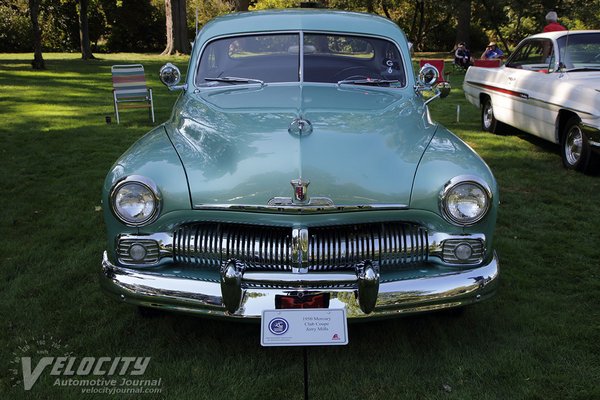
(580, 52)
(328, 58)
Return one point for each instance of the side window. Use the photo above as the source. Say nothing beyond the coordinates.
(534, 55)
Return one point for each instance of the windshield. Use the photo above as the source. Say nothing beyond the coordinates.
(580, 51)
(328, 58)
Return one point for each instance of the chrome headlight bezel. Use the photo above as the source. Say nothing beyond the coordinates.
(459, 182)
(143, 183)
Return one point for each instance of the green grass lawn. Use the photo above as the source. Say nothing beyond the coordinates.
(539, 338)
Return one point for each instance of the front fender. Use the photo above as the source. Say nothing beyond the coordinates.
(445, 158)
(153, 157)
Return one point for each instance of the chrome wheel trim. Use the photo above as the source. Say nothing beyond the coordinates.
(488, 115)
(573, 145)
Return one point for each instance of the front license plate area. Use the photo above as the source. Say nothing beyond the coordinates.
(302, 300)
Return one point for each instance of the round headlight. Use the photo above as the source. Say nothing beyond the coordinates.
(465, 200)
(135, 201)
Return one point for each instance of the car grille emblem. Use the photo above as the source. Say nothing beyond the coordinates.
(300, 190)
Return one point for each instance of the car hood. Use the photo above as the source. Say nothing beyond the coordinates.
(237, 149)
(587, 79)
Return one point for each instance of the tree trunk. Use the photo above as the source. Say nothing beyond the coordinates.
(84, 32)
(242, 5)
(38, 60)
(421, 28)
(177, 34)
(181, 41)
(413, 25)
(463, 27)
(170, 49)
(385, 8)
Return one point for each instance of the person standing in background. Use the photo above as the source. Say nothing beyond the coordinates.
(552, 23)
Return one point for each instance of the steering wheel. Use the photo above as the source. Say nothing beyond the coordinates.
(354, 73)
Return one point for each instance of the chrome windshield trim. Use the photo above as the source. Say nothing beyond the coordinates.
(308, 208)
(193, 72)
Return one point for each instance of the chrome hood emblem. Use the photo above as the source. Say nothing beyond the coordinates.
(300, 191)
(300, 127)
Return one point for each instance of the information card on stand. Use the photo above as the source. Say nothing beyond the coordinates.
(304, 327)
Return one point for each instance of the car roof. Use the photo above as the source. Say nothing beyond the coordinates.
(299, 19)
(557, 34)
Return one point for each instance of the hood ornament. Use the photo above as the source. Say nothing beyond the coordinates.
(300, 191)
(300, 127)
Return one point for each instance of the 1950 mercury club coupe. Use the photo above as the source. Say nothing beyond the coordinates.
(300, 168)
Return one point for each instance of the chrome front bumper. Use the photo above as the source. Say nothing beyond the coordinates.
(258, 291)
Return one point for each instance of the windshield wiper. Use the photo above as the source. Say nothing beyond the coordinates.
(367, 81)
(234, 80)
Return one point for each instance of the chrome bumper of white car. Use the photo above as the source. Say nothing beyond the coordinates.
(592, 135)
(258, 291)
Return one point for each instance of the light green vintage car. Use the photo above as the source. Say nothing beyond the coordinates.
(300, 168)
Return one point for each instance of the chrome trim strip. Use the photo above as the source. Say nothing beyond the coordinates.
(285, 278)
(204, 297)
(274, 207)
(526, 100)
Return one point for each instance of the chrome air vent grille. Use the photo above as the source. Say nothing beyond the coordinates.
(150, 246)
(329, 248)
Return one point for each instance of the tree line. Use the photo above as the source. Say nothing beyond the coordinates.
(168, 26)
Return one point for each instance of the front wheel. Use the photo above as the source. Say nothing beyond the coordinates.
(489, 123)
(575, 150)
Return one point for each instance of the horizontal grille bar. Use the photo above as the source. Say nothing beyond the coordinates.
(329, 248)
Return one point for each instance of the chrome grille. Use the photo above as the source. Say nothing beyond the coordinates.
(330, 248)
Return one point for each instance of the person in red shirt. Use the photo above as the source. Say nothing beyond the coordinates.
(553, 25)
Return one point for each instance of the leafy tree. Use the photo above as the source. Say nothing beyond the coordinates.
(139, 25)
(15, 26)
(136, 25)
(60, 21)
(209, 9)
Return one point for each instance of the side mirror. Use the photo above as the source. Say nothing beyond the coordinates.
(428, 76)
(170, 76)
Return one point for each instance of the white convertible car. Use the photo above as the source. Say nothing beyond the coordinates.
(549, 87)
